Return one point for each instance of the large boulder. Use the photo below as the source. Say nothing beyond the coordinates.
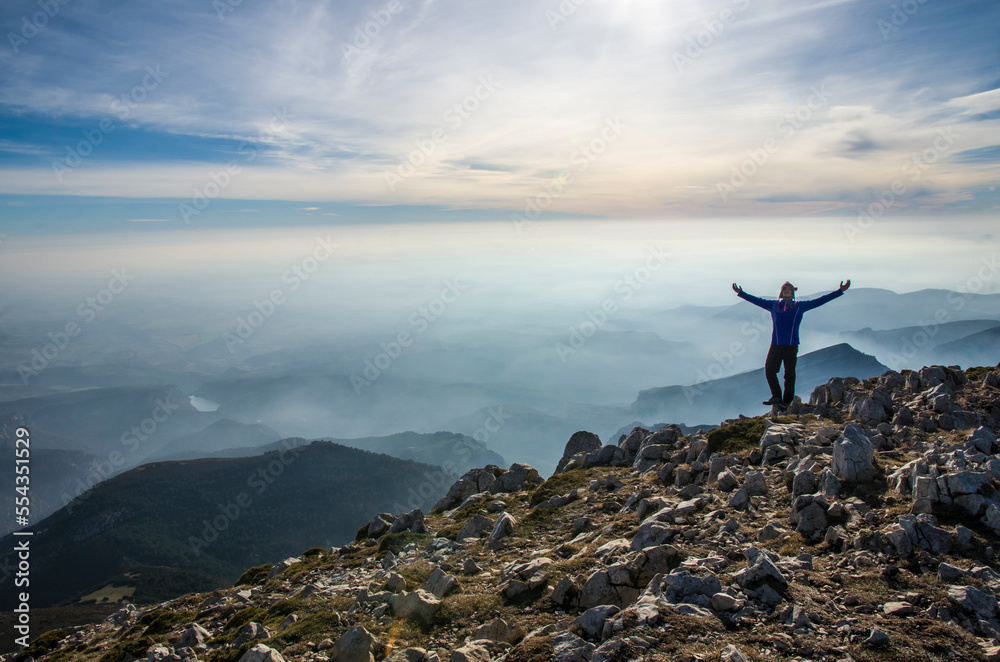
(411, 521)
(262, 653)
(472, 482)
(440, 583)
(579, 442)
(474, 527)
(418, 605)
(760, 571)
(852, 456)
(504, 527)
(355, 645)
(518, 477)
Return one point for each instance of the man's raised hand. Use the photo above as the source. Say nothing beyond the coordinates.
(844, 286)
(738, 289)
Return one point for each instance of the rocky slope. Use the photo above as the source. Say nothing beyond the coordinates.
(864, 525)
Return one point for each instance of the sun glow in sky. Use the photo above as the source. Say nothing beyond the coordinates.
(377, 110)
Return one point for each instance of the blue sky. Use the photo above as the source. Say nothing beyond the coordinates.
(286, 112)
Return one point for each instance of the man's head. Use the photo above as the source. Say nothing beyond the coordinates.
(787, 291)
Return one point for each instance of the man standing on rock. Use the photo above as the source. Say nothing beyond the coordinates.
(786, 315)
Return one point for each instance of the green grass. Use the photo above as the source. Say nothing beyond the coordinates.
(314, 627)
(416, 574)
(42, 644)
(743, 435)
(254, 575)
(395, 542)
(559, 484)
(136, 648)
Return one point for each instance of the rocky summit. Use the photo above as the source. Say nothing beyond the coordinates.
(863, 524)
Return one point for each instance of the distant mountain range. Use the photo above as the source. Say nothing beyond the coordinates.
(718, 399)
(194, 525)
(966, 343)
(458, 453)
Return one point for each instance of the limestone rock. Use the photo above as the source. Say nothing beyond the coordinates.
(355, 645)
(411, 521)
(472, 482)
(591, 622)
(504, 527)
(395, 583)
(193, 635)
(474, 527)
(498, 630)
(418, 605)
(579, 442)
(567, 647)
(519, 476)
(440, 583)
(852, 456)
(761, 570)
(732, 654)
(471, 651)
(262, 653)
(250, 632)
(281, 566)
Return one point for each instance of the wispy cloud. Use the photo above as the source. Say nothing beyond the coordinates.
(357, 107)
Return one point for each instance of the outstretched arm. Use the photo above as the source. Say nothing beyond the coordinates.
(757, 301)
(819, 301)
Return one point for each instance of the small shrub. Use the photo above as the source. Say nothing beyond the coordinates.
(254, 575)
(449, 532)
(239, 619)
(42, 644)
(475, 607)
(283, 608)
(314, 627)
(395, 542)
(230, 654)
(127, 650)
(416, 574)
(559, 484)
(793, 545)
(740, 436)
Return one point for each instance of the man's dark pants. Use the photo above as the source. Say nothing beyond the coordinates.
(776, 356)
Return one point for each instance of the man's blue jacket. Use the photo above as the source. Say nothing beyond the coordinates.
(787, 315)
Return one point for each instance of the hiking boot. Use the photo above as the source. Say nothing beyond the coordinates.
(772, 401)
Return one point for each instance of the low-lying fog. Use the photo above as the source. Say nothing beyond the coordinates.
(354, 330)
